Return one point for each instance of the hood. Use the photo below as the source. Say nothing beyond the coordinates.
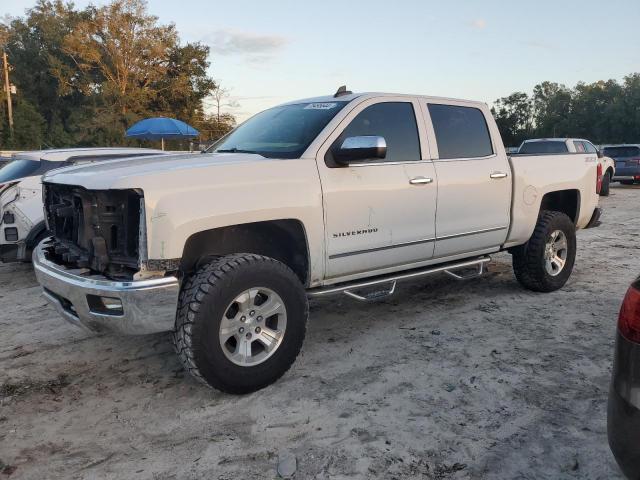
(136, 172)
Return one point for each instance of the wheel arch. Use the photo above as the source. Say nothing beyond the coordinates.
(35, 234)
(565, 201)
(284, 240)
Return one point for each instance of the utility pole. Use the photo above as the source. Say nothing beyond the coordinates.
(7, 88)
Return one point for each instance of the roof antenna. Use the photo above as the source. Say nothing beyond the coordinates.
(342, 91)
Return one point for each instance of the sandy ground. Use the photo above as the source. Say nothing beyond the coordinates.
(473, 379)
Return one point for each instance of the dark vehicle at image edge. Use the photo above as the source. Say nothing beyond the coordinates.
(627, 158)
(623, 422)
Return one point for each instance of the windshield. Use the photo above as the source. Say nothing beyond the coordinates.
(26, 168)
(280, 132)
(552, 146)
(621, 152)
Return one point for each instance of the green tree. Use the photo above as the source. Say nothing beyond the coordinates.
(551, 110)
(596, 110)
(513, 115)
(629, 117)
(181, 91)
(28, 126)
(34, 46)
(91, 73)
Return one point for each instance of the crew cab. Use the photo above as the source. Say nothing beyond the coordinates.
(21, 217)
(343, 194)
(580, 146)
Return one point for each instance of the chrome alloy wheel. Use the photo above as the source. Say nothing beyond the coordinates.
(555, 253)
(253, 326)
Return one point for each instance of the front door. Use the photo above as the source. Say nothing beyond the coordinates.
(379, 213)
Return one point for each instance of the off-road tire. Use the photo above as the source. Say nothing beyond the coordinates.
(606, 182)
(202, 303)
(529, 261)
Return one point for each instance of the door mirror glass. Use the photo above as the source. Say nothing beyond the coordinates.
(364, 147)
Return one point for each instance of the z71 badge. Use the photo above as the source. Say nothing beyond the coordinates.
(355, 232)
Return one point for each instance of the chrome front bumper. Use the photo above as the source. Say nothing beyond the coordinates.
(99, 304)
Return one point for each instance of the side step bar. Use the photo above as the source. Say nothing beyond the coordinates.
(391, 279)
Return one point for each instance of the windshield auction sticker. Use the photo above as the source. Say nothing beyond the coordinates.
(320, 106)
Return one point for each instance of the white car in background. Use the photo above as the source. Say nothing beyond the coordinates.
(22, 223)
(538, 146)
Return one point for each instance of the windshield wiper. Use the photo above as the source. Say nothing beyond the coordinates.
(236, 150)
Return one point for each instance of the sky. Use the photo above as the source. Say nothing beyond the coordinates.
(268, 52)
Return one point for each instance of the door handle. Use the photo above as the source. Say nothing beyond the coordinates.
(495, 175)
(420, 181)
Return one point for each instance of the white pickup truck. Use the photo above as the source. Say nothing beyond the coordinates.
(348, 193)
(21, 217)
(563, 146)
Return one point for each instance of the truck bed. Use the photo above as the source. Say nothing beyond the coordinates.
(536, 175)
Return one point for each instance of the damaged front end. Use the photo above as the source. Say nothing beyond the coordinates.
(93, 269)
(100, 230)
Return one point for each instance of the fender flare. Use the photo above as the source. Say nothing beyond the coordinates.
(35, 232)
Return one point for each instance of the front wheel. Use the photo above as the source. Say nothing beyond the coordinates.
(545, 262)
(241, 322)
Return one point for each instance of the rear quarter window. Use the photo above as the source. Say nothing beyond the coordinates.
(461, 132)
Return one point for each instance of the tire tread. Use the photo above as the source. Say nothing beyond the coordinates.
(526, 263)
(196, 287)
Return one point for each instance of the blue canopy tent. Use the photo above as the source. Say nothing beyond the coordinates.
(161, 128)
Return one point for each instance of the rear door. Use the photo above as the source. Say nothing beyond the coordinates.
(379, 213)
(474, 179)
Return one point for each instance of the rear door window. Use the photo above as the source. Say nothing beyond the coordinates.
(461, 132)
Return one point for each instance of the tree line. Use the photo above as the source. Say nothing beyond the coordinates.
(603, 112)
(83, 76)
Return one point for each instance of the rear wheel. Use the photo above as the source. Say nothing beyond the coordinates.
(627, 182)
(241, 322)
(545, 262)
(606, 183)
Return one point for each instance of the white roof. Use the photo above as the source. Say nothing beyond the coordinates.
(566, 139)
(353, 96)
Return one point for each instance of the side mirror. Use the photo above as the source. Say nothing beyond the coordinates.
(360, 148)
(600, 154)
